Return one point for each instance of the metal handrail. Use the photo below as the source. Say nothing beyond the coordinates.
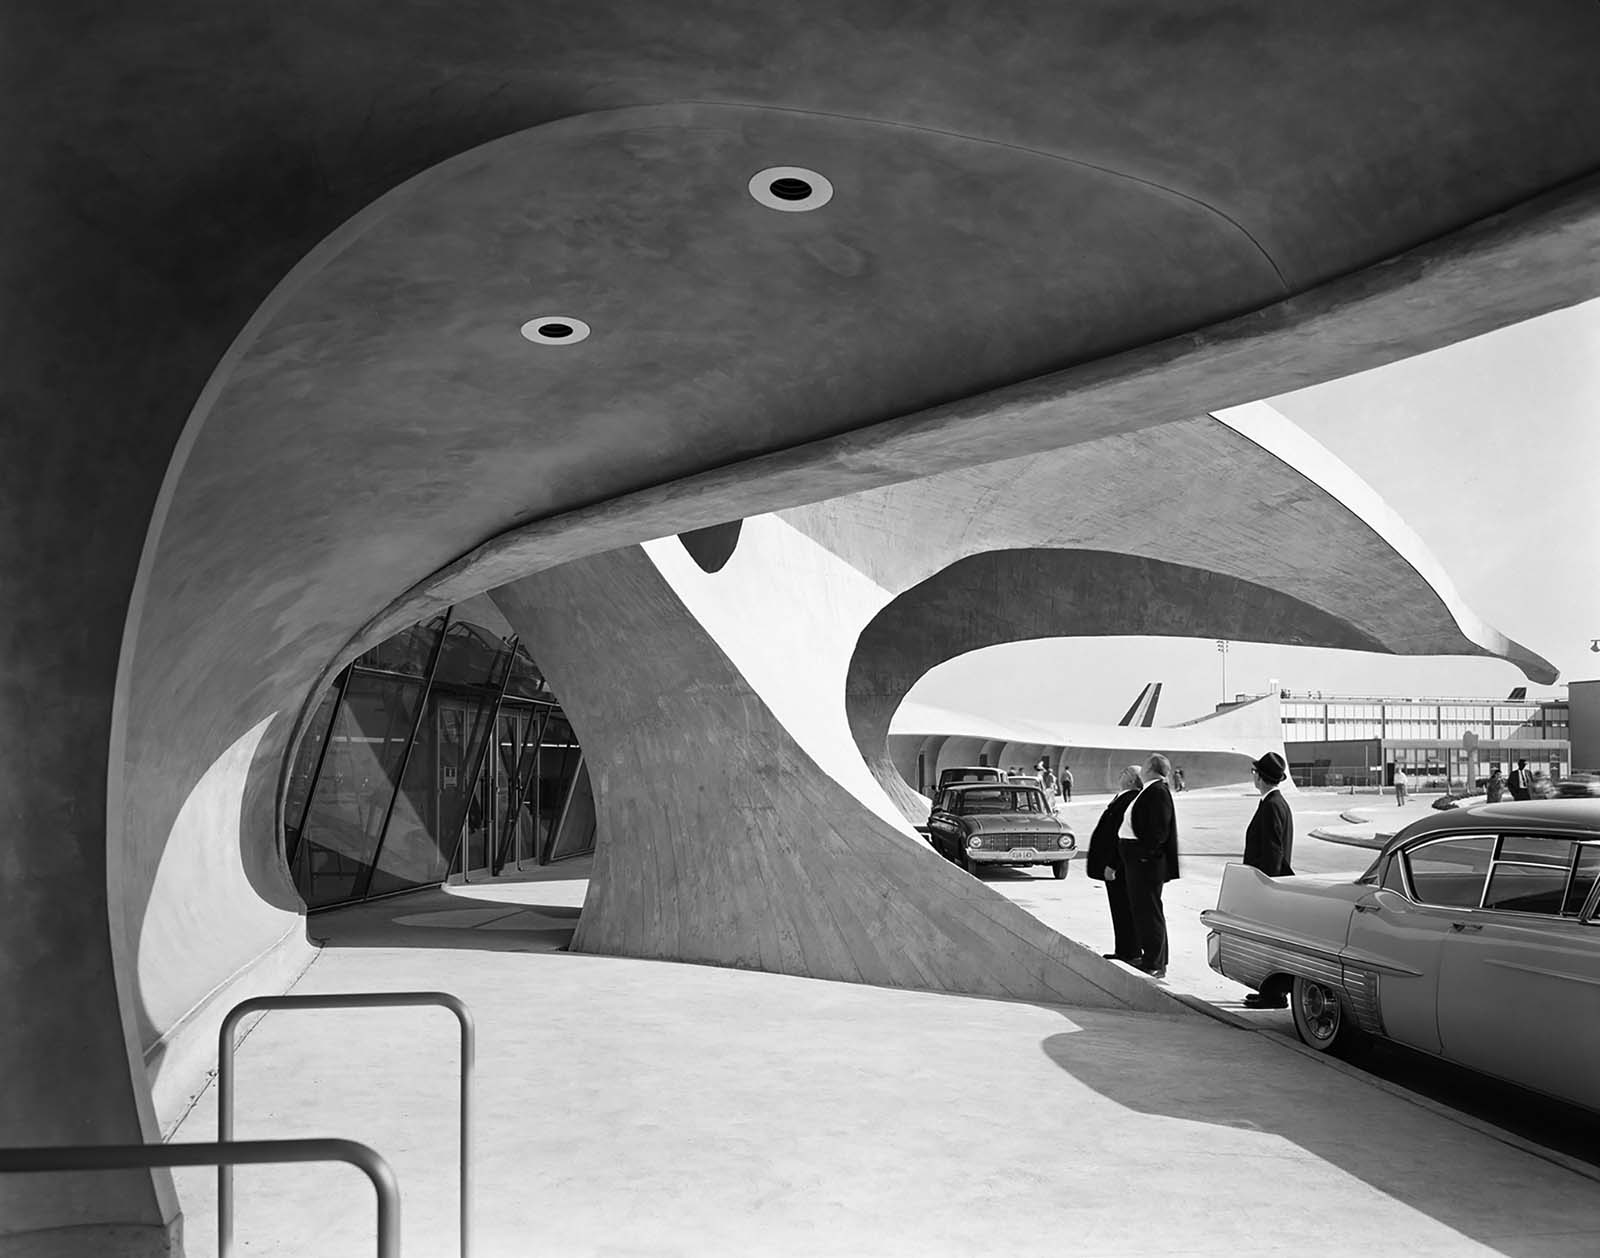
(124, 1157)
(339, 1000)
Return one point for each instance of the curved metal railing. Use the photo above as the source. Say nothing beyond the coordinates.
(341, 1000)
(125, 1157)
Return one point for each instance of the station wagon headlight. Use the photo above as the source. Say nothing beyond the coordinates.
(1065, 841)
(974, 841)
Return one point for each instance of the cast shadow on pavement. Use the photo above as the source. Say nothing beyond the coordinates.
(1501, 1197)
(438, 918)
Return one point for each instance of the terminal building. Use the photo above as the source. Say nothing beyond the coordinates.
(747, 388)
(1442, 743)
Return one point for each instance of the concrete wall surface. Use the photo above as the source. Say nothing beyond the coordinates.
(720, 841)
(1246, 530)
(1213, 751)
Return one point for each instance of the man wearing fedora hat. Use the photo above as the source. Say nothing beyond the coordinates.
(1269, 840)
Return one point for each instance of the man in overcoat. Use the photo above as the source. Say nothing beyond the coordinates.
(1147, 841)
(1269, 841)
(1269, 838)
(1104, 862)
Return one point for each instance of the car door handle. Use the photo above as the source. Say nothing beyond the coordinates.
(1466, 925)
(1367, 908)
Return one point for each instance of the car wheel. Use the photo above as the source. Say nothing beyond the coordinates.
(1319, 1018)
(1060, 868)
(966, 862)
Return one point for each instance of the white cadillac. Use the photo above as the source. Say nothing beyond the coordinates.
(1475, 936)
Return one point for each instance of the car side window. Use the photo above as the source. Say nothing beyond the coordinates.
(1393, 879)
(1450, 872)
(1584, 875)
(1529, 875)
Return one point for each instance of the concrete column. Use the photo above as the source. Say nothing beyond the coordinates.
(721, 842)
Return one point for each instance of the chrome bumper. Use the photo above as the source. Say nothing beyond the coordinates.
(1041, 856)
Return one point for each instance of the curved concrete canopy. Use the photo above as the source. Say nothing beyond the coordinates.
(176, 164)
(1012, 595)
(1197, 530)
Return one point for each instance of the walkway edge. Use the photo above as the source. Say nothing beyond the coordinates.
(1241, 1023)
(1375, 841)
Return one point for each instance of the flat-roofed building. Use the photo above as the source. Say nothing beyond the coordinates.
(1344, 740)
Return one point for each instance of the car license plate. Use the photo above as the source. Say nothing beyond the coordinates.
(1024, 851)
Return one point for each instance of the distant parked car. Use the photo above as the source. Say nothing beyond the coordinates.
(1578, 786)
(1474, 936)
(969, 773)
(980, 823)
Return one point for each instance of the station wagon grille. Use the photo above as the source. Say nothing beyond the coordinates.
(1006, 842)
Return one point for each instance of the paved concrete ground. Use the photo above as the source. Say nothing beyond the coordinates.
(633, 1109)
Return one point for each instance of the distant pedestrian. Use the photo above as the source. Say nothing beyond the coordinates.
(1147, 842)
(1177, 779)
(1051, 785)
(1104, 862)
(1521, 783)
(1496, 787)
(1066, 782)
(1401, 781)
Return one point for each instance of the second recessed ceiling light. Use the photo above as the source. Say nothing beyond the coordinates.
(555, 330)
(791, 189)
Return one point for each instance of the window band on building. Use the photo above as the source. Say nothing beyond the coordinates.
(1443, 744)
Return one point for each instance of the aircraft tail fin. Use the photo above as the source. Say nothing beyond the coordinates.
(1143, 711)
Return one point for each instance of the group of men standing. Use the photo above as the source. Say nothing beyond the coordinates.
(1134, 851)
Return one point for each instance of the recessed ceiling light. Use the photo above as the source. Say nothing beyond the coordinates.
(791, 188)
(555, 330)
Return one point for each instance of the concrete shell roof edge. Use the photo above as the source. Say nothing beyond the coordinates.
(1289, 443)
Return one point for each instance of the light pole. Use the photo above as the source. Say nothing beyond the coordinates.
(1222, 649)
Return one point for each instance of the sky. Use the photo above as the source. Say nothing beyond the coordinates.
(1489, 449)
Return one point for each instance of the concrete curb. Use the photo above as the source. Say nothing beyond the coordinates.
(1239, 1022)
(1373, 840)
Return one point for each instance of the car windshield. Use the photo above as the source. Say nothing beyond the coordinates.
(999, 799)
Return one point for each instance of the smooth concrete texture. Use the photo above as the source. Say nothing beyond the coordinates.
(200, 894)
(720, 841)
(1213, 751)
(175, 164)
(1248, 531)
(645, 1108)
(736, 721)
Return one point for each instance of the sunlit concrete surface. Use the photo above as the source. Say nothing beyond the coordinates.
(649, 1109)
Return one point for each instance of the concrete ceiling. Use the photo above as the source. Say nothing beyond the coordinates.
(1021, 194)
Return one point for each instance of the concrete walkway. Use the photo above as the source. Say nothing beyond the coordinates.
(635, 1109)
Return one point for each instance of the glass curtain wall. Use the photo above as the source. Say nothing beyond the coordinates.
(440, 750)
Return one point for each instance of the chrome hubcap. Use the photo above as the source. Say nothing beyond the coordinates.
(1319, 1009)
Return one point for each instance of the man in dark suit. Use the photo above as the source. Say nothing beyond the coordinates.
(1147, 841)
(1521, 783)
(1104, 862)
(1269, 841)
